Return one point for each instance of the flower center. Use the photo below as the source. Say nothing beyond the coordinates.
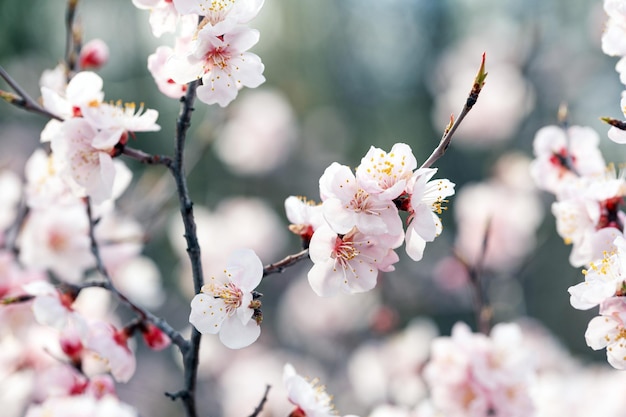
(230, 294)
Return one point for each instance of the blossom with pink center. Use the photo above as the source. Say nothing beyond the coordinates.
(608, 331)
(348, 263)
(52, 307)
(305, 216)
(220, 16)
(346, 205)
(310, 399)
(57, 239)
(427, 201)
(84, 160)
(386, 174)
(563, 154)
(222, 63)
(163, 15)
(111, 348)
(112, 122)
(157, 67)
(226, 303)
(477, 375)
(83, 90)
(94, 54)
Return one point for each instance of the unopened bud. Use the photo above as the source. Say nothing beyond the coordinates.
(94, 54)
(154, 337)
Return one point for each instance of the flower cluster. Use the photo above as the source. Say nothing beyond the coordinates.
(471, 374)
(588, 211)
(214, 50)
(352, 234)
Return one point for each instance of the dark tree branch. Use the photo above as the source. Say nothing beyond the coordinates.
(147, 158)
(22, 99)
(280, 266)
(190, 357)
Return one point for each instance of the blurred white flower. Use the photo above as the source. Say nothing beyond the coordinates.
(259, 135)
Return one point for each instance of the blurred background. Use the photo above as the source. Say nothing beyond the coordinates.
(343, 76)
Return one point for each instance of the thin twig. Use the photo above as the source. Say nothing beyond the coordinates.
(107, 283)
(479, 82)
(146, 158)
(259, 407)
(280, 266)
(482, 308)
(22, 100)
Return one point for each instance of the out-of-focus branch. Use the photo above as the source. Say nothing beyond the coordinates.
(22, 99)
(440, 150)
(280, 266)
(482, 309)
(73, 38)
(259, 407)
(107, 283)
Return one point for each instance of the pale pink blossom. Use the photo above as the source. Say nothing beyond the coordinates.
(614, 36)
(163, 15)
(608, 331)
(83, 90)
(561, 155)
(223, 64)
(57, 239)
(84, 160)
(305, 216)
(259, 135)
(94, 54)
(603, 279)
(475, 375)
(157, 67)
(44, 184)
(226, 303)
(112, 122)
(348, 263)
(110, 346)
(346, 205)
(386, 174)
(427, 201)
(310, 399)
(220, 16)
(53, 307)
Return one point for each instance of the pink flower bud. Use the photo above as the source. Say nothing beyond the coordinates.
(94, 54)
(155, 339)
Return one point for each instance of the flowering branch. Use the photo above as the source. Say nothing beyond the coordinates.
(107, 284)
(280, 266)
(479, 82)
(22, 99)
